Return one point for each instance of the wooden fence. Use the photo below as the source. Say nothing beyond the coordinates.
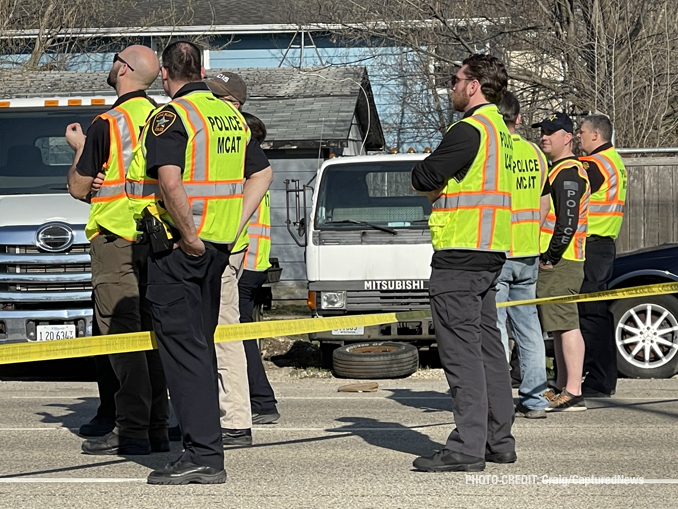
(651, 215)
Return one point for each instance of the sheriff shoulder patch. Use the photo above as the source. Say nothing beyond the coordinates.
(585, 165)
(162, 122)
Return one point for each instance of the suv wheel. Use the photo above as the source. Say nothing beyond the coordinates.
(646, 336)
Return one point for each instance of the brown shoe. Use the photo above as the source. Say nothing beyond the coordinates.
(550, 394)
(566, 402)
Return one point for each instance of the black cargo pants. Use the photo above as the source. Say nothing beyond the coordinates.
(464, 311)
(262, 397)
(595, 320)
(184, 293)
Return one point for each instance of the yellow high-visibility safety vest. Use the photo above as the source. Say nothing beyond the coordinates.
(606, 210)
(530, 171)
(256, 238)
(214, 171)
(475, 213)
(576, 250)
(110, 208)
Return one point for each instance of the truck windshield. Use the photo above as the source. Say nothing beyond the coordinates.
(34, 155)
(378, 193)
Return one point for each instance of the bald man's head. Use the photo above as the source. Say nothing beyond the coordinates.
(137, 65)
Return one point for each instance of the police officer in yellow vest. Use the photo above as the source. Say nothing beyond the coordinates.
(118, 261)
(468, 180)
(561, 267)
(518, 279)
(189, 170)
(607, 175)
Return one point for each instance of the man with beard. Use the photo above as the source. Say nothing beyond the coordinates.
(118, 260)
(468, 180)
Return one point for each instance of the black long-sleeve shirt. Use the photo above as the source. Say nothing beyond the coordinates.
(452, 159)
(566, 191)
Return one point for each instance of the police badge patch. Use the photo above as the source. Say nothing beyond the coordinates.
(162, 122)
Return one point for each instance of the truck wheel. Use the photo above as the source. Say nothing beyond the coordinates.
(375, 360)
(646, 335)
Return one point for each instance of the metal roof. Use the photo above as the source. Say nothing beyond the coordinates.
(301, 108)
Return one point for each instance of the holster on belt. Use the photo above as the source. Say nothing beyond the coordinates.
(156, 231)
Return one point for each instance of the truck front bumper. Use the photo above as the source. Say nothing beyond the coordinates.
(420, 330)
(19, 326)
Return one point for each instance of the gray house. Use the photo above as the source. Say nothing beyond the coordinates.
(309, 114)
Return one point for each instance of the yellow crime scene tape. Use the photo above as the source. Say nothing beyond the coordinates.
(140, 341)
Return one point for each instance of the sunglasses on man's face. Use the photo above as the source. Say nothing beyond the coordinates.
(456, 79)
(116, 58)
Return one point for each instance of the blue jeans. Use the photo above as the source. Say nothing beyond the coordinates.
(518, 281)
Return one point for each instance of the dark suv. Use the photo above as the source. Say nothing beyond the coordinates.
(646, 328)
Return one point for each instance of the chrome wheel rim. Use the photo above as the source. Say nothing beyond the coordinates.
(647, 336)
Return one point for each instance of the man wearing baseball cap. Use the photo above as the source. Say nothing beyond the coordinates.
(561, 262)
(229, 86)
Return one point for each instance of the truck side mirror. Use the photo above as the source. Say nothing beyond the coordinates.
(297, 217)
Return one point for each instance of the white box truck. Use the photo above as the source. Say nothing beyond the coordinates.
(367, 245)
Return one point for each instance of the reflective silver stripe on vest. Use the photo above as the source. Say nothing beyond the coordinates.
(206, 190)
(108, 191)
(528, 215)
(125, 133)
(549, 225)
(603, 209)
(199, 139)
(125, 136)
(146, 190)
(611, 173)
(253, 253)
(472, 200)
(486, 230)
(491, 183)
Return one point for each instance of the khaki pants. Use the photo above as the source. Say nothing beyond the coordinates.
(234, 392)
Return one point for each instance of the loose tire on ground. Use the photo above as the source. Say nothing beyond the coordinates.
(650, 326)
(375, 360)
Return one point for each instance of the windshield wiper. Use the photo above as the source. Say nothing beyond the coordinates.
(375, 226)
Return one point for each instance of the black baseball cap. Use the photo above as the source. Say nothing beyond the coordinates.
(556, 122)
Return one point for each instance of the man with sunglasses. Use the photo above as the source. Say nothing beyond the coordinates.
(119, 262)
(468, 180)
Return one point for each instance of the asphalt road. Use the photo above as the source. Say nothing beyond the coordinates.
(345, 450)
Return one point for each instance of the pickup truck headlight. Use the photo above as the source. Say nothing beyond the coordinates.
(333, 300)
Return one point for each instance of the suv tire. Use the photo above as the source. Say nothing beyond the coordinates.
(643, 350)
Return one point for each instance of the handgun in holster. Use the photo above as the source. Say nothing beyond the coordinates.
(156, 231)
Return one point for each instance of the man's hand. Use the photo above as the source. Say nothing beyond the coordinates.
(195, 248)
(98, 182)
(75, 137)
(434, 195)
(543, 265)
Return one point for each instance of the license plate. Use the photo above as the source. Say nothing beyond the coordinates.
(351, 331)
(54, 332)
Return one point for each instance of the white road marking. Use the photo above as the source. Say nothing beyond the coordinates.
(268, 428)
(360, 397)
(8, 480)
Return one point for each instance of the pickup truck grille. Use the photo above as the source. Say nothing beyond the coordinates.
(26, 270)
(386, 300)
